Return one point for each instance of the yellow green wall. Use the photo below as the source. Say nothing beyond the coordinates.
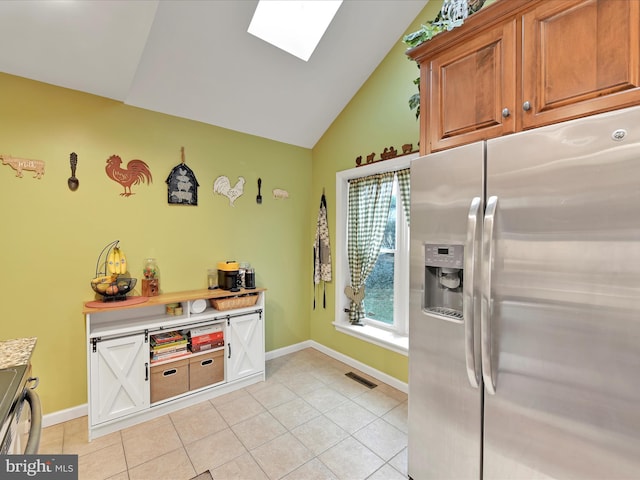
(378, 116)
(51, 236)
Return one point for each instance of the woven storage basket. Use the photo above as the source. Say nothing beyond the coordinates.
(231, 303)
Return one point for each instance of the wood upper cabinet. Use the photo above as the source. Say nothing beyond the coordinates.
(579, 57)
(521, 64)
(472, 89)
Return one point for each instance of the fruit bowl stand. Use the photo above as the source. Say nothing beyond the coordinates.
(114, 289)
(111, 280)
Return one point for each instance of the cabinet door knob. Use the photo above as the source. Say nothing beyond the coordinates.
(505, 112)
(526, 106)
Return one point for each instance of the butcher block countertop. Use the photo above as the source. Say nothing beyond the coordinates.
(16, 352)
(176, 297)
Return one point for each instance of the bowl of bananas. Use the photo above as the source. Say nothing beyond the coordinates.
(111, 280)
(113, 287)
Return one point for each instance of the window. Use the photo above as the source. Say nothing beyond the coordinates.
(293, 26)
(378, 303)
(386, 292)
(386, 304)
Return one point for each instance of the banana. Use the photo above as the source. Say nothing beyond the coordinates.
(111, 261)
(116, 260)
(103, 279)
(123, 263)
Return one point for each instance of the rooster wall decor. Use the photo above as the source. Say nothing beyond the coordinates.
(222, 186)
(137, 171)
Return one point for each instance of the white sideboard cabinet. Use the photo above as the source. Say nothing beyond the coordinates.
(126, 388)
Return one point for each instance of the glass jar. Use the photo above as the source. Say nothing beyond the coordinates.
(241, 272)
(212, 278)
(250, 278)
(150, 269)
(150, 278)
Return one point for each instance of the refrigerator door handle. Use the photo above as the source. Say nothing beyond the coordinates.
(485, 317)
(471, 357)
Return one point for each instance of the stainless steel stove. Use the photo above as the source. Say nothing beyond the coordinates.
(19, 411)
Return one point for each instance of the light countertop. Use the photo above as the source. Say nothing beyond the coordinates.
(166, 298)
(16, 351)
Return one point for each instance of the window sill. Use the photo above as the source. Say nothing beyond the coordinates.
(378, 336)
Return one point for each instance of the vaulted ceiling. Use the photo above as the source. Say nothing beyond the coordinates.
(195, 59)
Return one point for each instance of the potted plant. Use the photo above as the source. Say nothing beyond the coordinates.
(452, 14)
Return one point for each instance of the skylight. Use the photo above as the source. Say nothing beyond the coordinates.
(295, 26)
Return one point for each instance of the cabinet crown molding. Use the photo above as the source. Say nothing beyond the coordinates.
(486, 18)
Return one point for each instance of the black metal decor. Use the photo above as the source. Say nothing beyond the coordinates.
(182, 185)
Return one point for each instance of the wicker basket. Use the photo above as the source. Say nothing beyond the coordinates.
(230, 303)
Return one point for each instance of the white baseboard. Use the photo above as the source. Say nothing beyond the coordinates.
(82, 410)
(383, 377)
(377, 374)
(288, 349)
(62, 416)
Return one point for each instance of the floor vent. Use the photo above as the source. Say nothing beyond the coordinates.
(362, 380)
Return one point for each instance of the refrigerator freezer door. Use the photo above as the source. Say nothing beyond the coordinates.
(565, 301)
(444, 408)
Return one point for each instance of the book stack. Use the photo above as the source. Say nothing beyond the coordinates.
(206, 338)
(168, 345)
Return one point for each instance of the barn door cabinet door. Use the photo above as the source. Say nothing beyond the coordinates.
(244, 346)
(580, 57)
(119, 377)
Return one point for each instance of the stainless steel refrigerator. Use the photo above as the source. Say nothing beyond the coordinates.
(524, 347)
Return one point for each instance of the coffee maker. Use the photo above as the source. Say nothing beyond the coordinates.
(228, 276)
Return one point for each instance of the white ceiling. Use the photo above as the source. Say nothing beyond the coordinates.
(195, 59)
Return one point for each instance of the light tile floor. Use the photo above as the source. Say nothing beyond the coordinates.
(306, 421)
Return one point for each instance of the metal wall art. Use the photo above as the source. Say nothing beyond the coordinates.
(182, 185)
(222, 186)
(73, 181)
(387, 153)
(136, 172)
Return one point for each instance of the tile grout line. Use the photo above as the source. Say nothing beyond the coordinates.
(327, 377)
